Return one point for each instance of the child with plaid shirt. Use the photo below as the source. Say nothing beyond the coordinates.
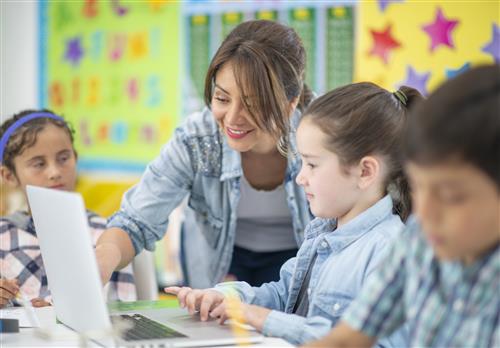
(36, 148)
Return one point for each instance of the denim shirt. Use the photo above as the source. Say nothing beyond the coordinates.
(346, 256)
(199, 164)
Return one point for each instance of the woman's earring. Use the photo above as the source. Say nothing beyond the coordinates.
(282, 146)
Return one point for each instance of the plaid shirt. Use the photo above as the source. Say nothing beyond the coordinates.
(445, 304)
(20, 259)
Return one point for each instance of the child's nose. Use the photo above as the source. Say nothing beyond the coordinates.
(425, 209)
(54, 172)
(300, 180)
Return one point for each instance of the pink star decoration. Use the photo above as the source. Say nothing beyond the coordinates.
(440, 31)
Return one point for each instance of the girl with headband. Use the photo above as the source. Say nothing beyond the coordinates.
(36, 148)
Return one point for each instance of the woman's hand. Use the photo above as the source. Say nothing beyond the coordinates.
(194, 300)
(107, 256)
(8, 291)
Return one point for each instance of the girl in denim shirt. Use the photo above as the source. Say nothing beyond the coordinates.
(235, 162)
(352, 176)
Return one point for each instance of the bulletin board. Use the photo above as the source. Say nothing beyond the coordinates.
(422, 43)
(112, 69)
(327, 30)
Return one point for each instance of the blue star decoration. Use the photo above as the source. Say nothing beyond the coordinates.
(451, 73)
(74, 51)
(493, 47)
(416, 80)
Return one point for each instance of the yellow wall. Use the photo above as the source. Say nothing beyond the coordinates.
(103, 196)
(473, 31)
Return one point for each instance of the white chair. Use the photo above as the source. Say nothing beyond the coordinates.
(146, 284)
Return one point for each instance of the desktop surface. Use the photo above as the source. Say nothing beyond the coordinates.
(58, 335)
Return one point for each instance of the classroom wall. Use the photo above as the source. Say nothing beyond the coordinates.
(19, 56)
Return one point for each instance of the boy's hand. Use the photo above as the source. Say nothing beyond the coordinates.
(197, 300)
(8, 291)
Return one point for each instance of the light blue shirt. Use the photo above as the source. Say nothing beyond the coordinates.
(198, 163)
(346, 257)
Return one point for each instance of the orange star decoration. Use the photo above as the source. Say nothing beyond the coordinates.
(383, 43)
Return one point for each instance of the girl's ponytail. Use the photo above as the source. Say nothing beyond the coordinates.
(399, 190)
(398, 186)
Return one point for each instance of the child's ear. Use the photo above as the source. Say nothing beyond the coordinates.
(369, 171)
(9, 176)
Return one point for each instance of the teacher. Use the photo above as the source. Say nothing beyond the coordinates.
(235, 161)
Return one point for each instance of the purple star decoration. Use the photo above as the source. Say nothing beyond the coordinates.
(493, 47)
(74, 51)
(415, 80)
(440, 30)
(382, 4)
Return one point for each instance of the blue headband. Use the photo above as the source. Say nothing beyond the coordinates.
(13, 127)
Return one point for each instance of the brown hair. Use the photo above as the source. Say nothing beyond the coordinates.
(269, 61)
(461, 118)
(362, 119)
(25, 136)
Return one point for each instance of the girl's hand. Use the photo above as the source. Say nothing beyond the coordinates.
(248, 314)
(194, 300)
(8, 291)
(255, 315)
(40, 302)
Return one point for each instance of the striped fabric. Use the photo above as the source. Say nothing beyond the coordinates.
(445, 304)
(20, 259)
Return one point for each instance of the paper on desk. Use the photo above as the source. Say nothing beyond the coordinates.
(18, 313)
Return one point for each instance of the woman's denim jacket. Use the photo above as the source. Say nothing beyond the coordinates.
(346, 256)
(198, 163)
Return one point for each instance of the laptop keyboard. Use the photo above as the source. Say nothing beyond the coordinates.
(145, 329)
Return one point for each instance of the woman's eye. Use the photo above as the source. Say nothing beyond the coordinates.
(221, 100)
(310, 165)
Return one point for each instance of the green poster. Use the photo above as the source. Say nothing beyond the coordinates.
(304, 22)
(270, 15)
(340, 46)
(111, 68)
(229, 21)
(199, 50)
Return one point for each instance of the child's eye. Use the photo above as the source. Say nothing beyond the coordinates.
(38, 164)
(453, 198)
(63, 158)
(311, 166)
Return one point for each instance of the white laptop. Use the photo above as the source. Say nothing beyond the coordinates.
(73, 277)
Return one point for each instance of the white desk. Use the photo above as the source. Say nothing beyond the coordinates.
(64, 337)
